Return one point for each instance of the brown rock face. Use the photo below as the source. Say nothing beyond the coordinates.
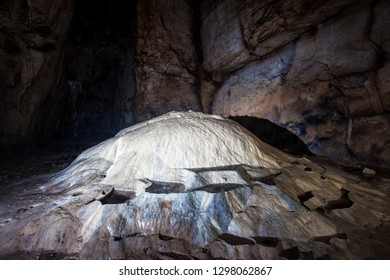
(166, 70)
(238, 32)
(98, 80)
(31, 57)
(363, 129)
(317, 70)
(65, 69)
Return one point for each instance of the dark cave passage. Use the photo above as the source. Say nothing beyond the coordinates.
(274, 135)
(92, 99)
(98, 79)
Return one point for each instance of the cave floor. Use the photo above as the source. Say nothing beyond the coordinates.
(20, 165)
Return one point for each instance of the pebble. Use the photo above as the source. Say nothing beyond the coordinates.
(368, 171)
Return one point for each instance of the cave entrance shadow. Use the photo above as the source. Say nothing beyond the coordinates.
(274, 135)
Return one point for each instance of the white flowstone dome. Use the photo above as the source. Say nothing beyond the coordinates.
(159, 148)
(183, 185)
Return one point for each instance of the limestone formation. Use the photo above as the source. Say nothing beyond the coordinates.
(315, 69)
(166, 66)
(194, 186)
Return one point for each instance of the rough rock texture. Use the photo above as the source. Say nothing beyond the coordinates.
(31, 58)
(318, 69)
(65, 69)
(98, 101)
(98, 80)
(166, 65)
(194, 186)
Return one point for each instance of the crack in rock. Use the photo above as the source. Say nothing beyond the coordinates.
(165, 187)
(266, 241)
(303, 197)
(326, 239)
(235, 240)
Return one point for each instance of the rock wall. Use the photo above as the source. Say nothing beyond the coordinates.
(167, 63)
(65, 69)
(319, 69)
(32, 34)
(98, 80)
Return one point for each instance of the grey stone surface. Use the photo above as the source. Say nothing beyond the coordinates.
(190, 186)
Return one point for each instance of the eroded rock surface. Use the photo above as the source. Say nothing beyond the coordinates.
(315, 69)
(65, 69)
(194, 186)
(32, 35)
(167, 62)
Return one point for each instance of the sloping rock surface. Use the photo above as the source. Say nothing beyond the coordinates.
(194, 186)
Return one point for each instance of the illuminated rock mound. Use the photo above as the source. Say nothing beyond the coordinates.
(187, 185)
(167, 146)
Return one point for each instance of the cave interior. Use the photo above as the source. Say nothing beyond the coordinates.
(311, 78)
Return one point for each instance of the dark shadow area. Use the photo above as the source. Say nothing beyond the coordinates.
(235, 240)
(117, 197)
(216, 188)
(266, 241)
(326, 239)
(20, 164)
(95, 89)
(274, 135)
(98, 81)
(102, 19)
(291, 253)
(340, 203)
(165, 187)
